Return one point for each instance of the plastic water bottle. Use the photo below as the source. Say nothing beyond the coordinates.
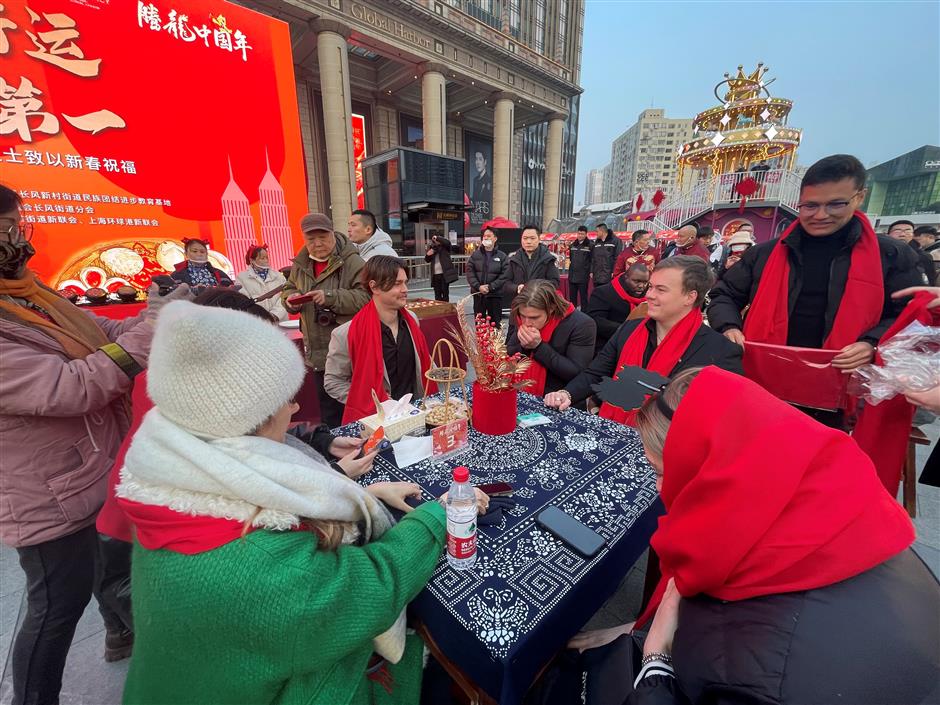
(461, 521)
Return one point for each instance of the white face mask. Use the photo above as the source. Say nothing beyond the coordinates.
(488, 244)
(199, 259)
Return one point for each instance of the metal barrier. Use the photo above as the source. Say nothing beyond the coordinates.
(419, 271)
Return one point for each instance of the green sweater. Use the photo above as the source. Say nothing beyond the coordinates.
(269, 619)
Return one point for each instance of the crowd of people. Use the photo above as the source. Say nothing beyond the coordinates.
(152, 462)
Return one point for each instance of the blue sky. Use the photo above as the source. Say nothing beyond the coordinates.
(864, 77)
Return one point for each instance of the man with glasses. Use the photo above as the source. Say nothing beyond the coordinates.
(826, 282)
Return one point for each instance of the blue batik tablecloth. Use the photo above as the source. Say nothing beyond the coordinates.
(528, 593)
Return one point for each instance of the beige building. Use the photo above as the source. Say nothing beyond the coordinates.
(643, 159)
(473, 79)
(594, 186)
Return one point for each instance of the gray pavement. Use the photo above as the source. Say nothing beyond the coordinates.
(89, 680)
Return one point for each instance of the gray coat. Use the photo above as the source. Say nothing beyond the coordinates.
(379, 244)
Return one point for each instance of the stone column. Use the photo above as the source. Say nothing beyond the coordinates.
(434, 108)
(553, 154)
(502, 152)
(333, 57)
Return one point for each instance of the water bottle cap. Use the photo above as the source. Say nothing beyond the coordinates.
(461, 474)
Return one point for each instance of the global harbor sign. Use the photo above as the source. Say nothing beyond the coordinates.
(389, 25)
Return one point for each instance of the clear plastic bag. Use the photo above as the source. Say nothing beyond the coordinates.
(911, 362)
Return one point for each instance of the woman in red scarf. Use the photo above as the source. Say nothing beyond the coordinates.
(791, 562)
(558, 339)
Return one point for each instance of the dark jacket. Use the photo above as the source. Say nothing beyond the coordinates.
(579, 270)
(524, 269)
(604, 257)
(739, 283)
(181, 274)
(568, 352)
(868, 640)
(707, 348)
(496, 274)
(441, 249)
(608, 310)
(925, 263)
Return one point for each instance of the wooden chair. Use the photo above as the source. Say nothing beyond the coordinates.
(909, 477)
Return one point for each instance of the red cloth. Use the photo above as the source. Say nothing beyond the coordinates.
(112, 521)
(536, 371)
(318, 267)
(762, 500)
(665, 357)
(630, 256)
(161, 527)
(694, 249)
(365, 352)
(859, 311)
(883, 430)
(622, 293)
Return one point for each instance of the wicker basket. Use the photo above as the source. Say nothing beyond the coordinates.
(445, 376)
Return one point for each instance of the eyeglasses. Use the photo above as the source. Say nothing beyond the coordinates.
(19, 232)
(832, 208)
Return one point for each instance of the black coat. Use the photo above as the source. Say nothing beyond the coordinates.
(496, 274)
(604, 257)
(441, 248)
(608, 310)
(706, 348)
(523, 269)
(925, 263)
(181, 274)
(739, 283)
(565, 355)
(869, 640)
(579, 270)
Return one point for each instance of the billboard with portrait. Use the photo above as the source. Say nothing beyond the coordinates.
(478, 156)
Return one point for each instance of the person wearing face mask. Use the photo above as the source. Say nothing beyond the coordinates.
(737, 245)
(196, 270)
(531, 261)
(687, 243)
(262, 283)
(487, 273)
(65, 378)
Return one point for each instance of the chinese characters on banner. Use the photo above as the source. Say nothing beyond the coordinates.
(113, 140)
(359, 154)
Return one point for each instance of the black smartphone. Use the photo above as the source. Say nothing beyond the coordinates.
(585, 541)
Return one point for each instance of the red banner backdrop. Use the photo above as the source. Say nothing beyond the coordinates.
(359, 153)
(128, 125)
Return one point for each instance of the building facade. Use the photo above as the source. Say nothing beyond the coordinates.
(906, 185)
(594, 186)
(480, 80)
(643, 159)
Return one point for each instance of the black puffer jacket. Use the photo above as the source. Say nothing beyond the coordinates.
(496, 273)
(523, 268)
(869, 640)
(604, 258)
(568, 352)
(739, 283)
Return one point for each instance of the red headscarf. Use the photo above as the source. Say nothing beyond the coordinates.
(536, 372)
(761, 499)
(665, 357)
(365, 351)
(860, 309)
(623, 294)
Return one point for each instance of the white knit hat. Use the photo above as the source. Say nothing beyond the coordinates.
(219, 372)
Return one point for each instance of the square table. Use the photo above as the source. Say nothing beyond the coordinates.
(502, 620)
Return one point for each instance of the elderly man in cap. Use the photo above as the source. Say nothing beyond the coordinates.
(324, 287)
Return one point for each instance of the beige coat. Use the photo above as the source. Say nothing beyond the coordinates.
(344, 290)
(254, 286)
(338, 376)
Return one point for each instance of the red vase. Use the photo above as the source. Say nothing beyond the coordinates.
(494, 413)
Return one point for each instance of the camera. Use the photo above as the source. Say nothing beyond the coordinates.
(325, 316)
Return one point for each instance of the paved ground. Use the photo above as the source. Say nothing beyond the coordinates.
(90, 681)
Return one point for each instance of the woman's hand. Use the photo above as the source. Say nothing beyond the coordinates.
(356, 467)
(929, 400)
(483, 500)
(663, 629)
(911, 290)
(343, 445)
(393, 493)
(560, 400)
(582, 641)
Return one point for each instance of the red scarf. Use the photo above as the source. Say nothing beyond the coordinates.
(159, 527)
(762, 500)
(882, 431)
(664, 359)
(536, 372)
(622, 293)
(863, 299)
(368, 363)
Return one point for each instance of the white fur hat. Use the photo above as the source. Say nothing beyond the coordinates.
(219, 372)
